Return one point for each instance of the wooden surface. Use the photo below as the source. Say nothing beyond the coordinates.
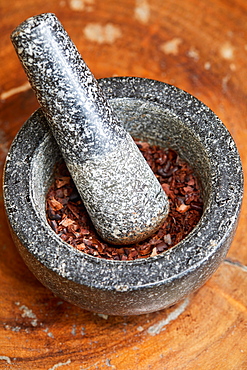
(201, 47)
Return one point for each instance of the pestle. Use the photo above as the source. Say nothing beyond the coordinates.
(124, 199)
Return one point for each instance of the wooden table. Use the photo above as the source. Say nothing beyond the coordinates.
(201, 47)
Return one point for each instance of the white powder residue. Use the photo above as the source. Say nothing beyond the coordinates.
(49, 333)
(227, 51)
(26, 312)
(172, 46)
(225, 81)
(5, 358)
(194, 54)
(142, 11)
(16, 90)
(80, 5)
(107, 34)
(59, 364)
(103, 316)
(157, 328)
(207, 66)
(140, 328)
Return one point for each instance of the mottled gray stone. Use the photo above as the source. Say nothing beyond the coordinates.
(158, 113)
(123, 197)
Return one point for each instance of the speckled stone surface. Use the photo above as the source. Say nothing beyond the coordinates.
(123, 197)
(161, 114)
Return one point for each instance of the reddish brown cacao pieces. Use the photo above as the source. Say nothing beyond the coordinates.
(68, 217)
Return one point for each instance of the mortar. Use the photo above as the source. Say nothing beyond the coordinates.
(160, 114)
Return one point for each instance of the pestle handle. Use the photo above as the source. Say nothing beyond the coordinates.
(123, 197)
(66, 89)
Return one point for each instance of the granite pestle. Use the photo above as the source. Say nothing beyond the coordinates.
(123, 197)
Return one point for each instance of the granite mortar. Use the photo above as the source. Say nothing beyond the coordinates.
(160, 114)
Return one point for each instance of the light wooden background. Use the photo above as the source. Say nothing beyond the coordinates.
(201, 47)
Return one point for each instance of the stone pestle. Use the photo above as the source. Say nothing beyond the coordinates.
(123, 197)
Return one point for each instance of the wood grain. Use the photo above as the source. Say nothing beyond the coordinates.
(201, 47)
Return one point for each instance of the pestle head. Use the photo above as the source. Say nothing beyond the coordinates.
(124, 199)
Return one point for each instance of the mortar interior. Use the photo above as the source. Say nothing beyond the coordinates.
(144, 120)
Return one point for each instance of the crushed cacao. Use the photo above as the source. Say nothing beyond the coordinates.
(69, 219)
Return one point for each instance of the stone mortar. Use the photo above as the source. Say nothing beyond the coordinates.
(160, 114)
